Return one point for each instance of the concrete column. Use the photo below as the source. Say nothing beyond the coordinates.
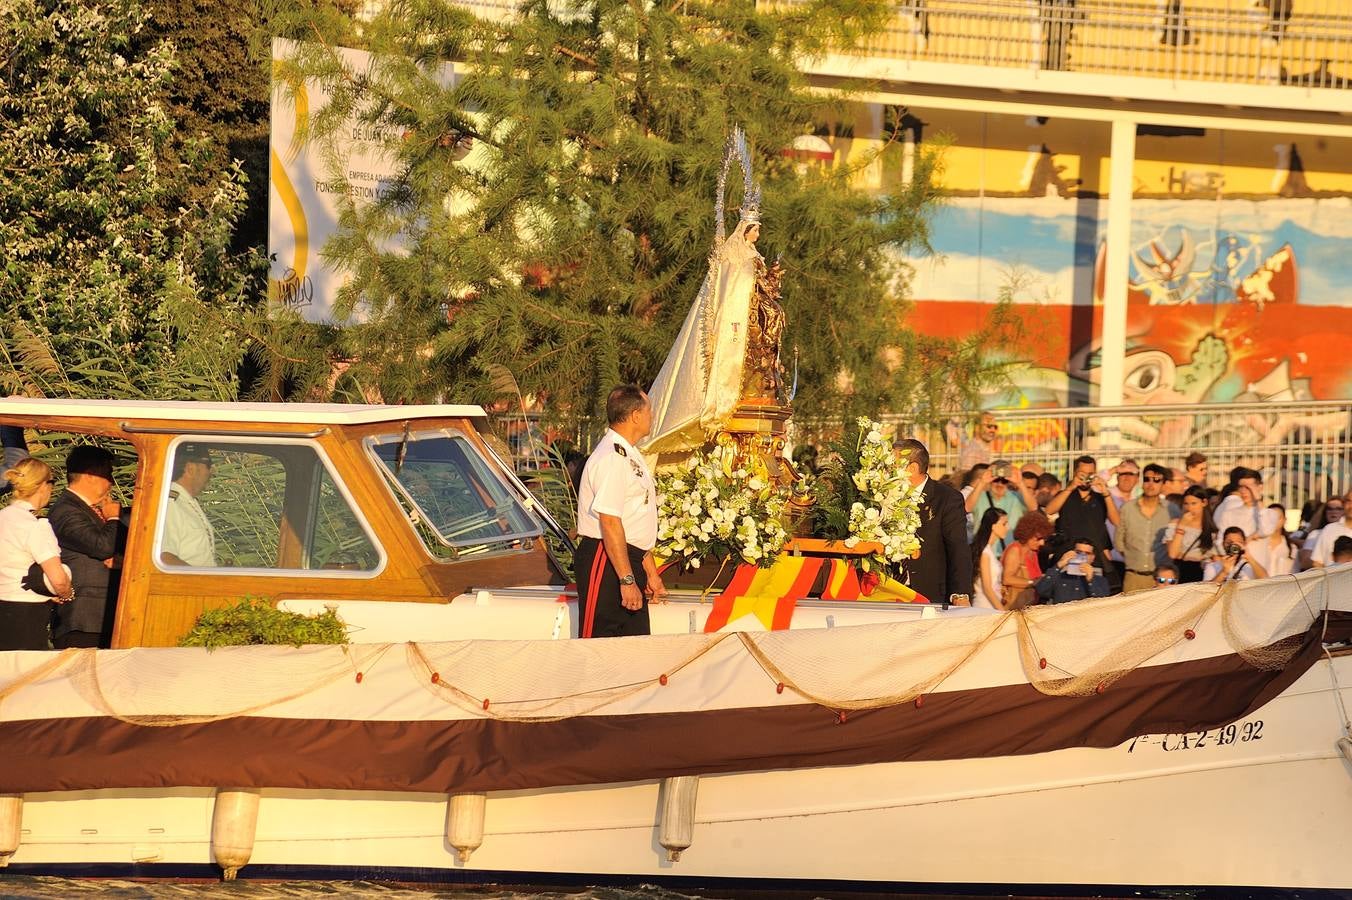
(1113, 345)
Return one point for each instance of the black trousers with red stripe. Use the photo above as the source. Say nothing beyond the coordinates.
(599, 611)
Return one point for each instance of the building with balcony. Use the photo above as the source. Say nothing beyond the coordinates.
(1163, 184)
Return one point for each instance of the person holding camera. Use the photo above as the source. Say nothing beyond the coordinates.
(1003, 488)
(1237, 563)
(1083, 510)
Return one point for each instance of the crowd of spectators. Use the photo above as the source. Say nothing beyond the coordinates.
(1128, 527)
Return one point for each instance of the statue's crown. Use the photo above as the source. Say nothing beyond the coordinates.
(751, 206)
(735, 149)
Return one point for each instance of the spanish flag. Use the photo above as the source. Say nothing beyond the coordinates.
(843, 582)
(768, 594)
(889, 590)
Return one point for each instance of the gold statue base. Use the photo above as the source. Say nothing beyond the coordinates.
(759, 428)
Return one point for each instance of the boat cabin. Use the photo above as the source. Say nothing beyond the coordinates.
(292, 501)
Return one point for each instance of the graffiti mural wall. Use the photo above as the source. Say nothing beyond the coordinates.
(1240, 275)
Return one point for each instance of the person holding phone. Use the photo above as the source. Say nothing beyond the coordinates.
(1075, 576)
(87, 523)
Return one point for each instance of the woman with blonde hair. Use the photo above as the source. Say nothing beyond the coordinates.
(25, 541)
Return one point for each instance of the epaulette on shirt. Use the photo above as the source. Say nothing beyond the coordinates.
(620, 450)
(173, 493)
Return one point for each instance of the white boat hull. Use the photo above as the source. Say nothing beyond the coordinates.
(970, 748)
(1266, 803)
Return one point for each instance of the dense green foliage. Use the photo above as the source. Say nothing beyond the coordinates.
(566, 245)
(111, 285)
(256, 621)
(833, 489)
(218, 96)
(569, 242)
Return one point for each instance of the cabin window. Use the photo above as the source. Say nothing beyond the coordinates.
(456, 502)
(259, 505)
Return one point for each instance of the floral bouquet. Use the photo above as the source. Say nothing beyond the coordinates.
(863, 494)
(716, 508)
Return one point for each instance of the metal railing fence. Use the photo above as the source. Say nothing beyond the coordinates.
(1292, 42)
(1296, 42)
(1304, 450)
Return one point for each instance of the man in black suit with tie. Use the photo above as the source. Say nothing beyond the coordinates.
(944, 567)
(88, 526)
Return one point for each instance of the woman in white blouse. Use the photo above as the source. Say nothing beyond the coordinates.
(24, 540)
(988, 574)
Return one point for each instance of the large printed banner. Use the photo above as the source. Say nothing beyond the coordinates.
(308, 179)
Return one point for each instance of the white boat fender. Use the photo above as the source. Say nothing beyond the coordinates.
(234, 821)
(465, 823)
(11, 824)
(676, 808)
(1344, 745)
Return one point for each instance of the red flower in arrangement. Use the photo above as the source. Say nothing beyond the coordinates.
(868, 581)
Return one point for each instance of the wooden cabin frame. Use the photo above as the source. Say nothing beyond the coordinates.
(158, 604)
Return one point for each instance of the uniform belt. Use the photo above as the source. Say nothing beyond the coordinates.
(1140, 572)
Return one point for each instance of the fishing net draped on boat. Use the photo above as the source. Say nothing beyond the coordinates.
(1066, 650)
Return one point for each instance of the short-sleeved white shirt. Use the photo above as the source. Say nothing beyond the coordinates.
(1322, 552)
(617, 482)
(24, 539)
(187, 530)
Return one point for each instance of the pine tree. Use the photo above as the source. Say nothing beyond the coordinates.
(107, 289)
(569, 243)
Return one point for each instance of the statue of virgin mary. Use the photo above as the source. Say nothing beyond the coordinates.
(700, 384)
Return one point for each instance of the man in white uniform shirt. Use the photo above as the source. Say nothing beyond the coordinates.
(1244, 509)
(1322, 552)
(617, 525)
(189, 539)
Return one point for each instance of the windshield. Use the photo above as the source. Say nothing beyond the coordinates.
(456, 501)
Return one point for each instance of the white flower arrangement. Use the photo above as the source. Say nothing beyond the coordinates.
(716, 507)
(888, 511)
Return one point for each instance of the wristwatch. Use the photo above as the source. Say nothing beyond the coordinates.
(628, 579)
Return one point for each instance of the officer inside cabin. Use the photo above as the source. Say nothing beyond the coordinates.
(189, 539)
(617, 524)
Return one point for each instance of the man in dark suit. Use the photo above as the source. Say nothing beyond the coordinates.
(944, 567)
(88, 526)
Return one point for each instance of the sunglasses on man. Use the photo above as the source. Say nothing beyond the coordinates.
(1161, 580)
